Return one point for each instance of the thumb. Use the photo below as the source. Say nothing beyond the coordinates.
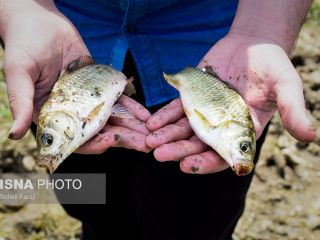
(20, 95)
(291, 106)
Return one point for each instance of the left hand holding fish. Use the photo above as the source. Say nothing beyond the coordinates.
(262, 73)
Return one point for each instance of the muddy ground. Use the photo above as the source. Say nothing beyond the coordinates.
(284, 198)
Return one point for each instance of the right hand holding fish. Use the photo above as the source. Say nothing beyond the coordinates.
(268, 82)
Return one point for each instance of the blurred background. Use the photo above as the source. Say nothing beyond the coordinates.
(284, 198)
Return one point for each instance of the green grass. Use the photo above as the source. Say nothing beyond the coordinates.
(5, 115)
(314, 12)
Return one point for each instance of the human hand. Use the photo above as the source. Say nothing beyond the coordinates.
(39, 43)
(262, 73)
(129, 133)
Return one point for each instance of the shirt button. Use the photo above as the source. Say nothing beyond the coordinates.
(131, 28)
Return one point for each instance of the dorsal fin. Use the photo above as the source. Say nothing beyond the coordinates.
(78, 63)
(209, 70)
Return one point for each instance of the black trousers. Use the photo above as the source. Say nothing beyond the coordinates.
(149, 200)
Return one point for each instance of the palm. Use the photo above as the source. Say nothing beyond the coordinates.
(258, 69)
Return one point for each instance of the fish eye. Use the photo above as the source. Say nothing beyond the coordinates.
(46, 139)
(245, 146)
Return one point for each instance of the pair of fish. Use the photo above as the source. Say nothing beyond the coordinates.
(85, 96)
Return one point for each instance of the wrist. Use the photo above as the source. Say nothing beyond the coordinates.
(279, 35)
(278, 21)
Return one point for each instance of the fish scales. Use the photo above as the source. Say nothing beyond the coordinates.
(224, 99)
(79, 88)
(218, 115)
(77, 108)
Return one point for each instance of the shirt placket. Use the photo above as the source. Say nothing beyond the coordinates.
(146, 62)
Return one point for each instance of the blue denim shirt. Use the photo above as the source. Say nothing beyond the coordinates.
(163, 36)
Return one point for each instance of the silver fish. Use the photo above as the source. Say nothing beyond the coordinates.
(78, 107)
(218, 115)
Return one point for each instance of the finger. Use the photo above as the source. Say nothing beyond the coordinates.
(260, 119)
(130, 123)
(179, 150)
(99, 143)
(166, 115)
(139, 111)
(113, 136)
(291, 106)
(133, 140)
(20, 87)
(207, 162)
(170, 133)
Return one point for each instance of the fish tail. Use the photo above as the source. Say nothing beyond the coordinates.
(172, 80)
(130, 89)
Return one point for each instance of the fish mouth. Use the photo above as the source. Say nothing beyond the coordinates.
(243, 168)
(49, 162)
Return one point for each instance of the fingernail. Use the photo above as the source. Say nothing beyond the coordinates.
(148, 150)
(12, 132)
(11, 136)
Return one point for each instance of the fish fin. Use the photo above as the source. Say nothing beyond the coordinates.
(94, 112)
(209, 70)
(130, 89)
(203, 119)
(227, 124)
(77, 64)
(120, 111)
(171, 80)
